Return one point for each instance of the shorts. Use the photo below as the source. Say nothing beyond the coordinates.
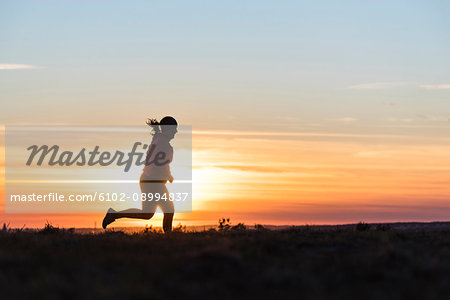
(155, 194)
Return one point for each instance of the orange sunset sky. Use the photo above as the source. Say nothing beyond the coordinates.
(311, 177)
(301, 113)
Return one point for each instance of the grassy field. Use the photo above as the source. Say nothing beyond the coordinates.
(349, 262)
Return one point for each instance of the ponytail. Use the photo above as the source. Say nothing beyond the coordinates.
(154, 125)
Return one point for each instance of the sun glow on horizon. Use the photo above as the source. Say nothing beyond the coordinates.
(298, 180)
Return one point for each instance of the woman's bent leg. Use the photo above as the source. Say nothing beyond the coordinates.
(134, 213)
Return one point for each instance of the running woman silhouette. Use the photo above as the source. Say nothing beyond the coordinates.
(154, 178)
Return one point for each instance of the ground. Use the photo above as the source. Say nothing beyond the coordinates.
(348, 262)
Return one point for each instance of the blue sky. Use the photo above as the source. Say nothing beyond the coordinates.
(214, 64)
(351, 96)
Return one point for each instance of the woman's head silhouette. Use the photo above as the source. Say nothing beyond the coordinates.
(167, 126)
(168, 120)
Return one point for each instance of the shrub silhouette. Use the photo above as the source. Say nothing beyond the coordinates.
(239, 226)
(5, 227)
(179, 228)
(49, 229)
(260, 227)
(224, 224)
(361, 226)
(383, 227)
(150, 229)
(147, 228)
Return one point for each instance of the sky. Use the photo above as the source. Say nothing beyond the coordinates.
(302, 112)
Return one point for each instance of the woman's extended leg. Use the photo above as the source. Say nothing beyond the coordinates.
(167, 222)
(168, 209)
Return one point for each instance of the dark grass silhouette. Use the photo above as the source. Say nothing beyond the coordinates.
(234, 262)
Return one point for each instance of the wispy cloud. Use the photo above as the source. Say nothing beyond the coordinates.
(392, 119)
(267, 134)
(436, 86)
(390, 85)
(345, 119)
(419, 117)
(376, 85)
(431, 117)
(16, 67)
